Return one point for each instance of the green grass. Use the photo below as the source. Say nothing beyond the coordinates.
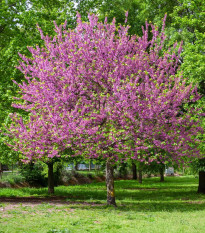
(11, 177)
(172, 206)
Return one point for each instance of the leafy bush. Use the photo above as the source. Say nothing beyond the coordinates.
(58, 169)
(198, 165)
(13, 178)
(90, 175)
(34, 173)
(66, 175)
(121, 171)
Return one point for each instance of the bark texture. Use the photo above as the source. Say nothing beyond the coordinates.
(161, 171)
(1, 171)
(50, 178)
(201, 188)
(134, 171)
(110, 184)
(140, 176)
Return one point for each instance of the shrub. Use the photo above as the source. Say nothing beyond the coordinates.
(13, 178)
(34, 173)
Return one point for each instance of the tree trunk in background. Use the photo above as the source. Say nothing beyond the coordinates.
(134, 171)
(89, 165)
(201, 188)
(1, 171)
(161, 171)
(50, 178)
(140, 175)
(123, 170)
(76, 167)
(110, 184)
(98, 169)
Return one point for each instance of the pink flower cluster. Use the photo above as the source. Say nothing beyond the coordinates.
(103, 93)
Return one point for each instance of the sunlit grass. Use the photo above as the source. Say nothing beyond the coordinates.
(172, 206)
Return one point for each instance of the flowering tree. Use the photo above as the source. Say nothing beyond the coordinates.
(114, 96)
(36, 138)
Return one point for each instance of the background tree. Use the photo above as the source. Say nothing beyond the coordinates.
(184, 23)
(18, 21)
(37, 140)
(198, 166)
(18, 30)
(188, 20)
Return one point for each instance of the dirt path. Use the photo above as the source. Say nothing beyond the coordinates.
(42, 200)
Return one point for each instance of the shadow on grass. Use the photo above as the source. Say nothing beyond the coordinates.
(176, 194)
(147, 206)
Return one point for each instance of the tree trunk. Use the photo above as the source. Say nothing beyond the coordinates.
(98, 169)
(1, 171)
(201, 188)
(134, 171)
(110, 184)
(50, 178)
(123, 170)
(140, 175)
(89, 165)
(161, 171)
(76, 167)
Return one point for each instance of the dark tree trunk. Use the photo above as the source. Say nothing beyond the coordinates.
(140, 175)
(201, 188)
(161, 171)
(50, 178)
(110, 184)
(123, 170)
(1, 171)
(134, 171)
(76, 167)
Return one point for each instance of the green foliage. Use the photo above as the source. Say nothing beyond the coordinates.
(66, 176)
(188, 21)
(153, 168)
(121, 170)
(198, 165)
(139, 12)
(7, 155)
(34, 173)
(58, 168)
(37, 173)
(12, 178)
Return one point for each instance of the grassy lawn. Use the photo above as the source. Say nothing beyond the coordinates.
(172, 206)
